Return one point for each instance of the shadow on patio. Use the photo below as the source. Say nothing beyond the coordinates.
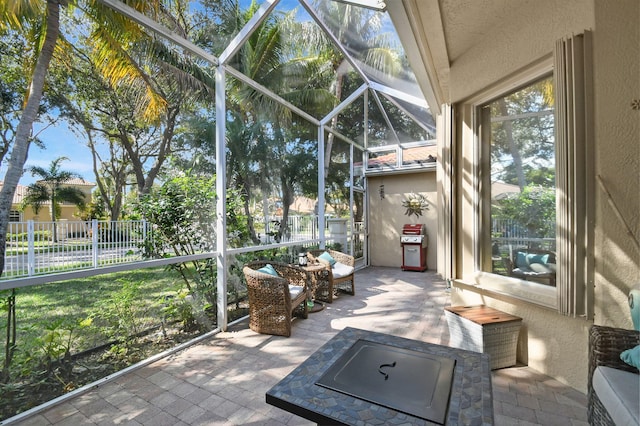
(223, 380)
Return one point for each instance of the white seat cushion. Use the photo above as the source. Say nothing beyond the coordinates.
(295, 290)
(340, 270)
(619, 392)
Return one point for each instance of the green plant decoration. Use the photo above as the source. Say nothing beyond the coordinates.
(415, 204)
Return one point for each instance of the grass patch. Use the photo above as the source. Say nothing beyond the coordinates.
(71, 302)
(73, 332)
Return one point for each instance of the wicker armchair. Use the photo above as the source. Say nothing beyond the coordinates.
(337, 279)
(605, 346)
(271, 305)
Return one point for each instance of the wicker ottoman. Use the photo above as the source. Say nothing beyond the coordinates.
(486, 330)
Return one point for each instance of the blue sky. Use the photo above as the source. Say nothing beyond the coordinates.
(60, 142)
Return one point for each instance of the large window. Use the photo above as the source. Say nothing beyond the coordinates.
(532, 193)
(519, 184)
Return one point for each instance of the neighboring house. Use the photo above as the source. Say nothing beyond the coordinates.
(500, 190)
(306, 206)
(69, 212)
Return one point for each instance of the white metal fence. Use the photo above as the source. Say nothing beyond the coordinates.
(508, 233)
(35, 248)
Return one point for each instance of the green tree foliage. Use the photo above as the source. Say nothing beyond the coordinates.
(533, 209)
(522, 136)
(37, 24)
(112, 117)
(270, 151)
(13, 84)
(182, 214)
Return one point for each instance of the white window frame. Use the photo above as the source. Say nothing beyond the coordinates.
(571, 66)
(529, 291)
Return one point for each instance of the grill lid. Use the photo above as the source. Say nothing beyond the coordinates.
(414, 229)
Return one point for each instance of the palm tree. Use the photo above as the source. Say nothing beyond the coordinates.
(256, 140)
(39, 23)
(16, 14)
(351, 25)
(52, 188)
(19, 15)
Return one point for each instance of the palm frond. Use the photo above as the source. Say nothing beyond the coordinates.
(36, 196)
(17, 14)
(71, 195)
(188, 75)
(384, 60)
(119, 68)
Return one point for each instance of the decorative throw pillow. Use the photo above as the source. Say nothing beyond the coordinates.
(521, 260)
(632, 356)
(537, 258)
(328, 258)
(269, 269)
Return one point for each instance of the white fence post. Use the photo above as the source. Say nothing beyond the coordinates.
(31, 252)
(94, 242)
(144, 231)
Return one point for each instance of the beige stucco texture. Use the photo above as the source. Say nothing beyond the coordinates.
(386, 210)
(549, 342)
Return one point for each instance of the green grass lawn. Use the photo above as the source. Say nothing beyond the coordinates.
(98, 312)
(119, 306)
(63, 305)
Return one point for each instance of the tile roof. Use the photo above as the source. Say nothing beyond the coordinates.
(21, 190)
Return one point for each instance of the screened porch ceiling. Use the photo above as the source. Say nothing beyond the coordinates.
(360, 59)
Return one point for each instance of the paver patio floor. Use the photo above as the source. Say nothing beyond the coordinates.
(222, 380)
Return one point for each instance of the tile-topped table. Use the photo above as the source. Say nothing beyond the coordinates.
(350, 381)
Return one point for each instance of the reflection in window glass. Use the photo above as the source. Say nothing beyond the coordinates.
(522, 183)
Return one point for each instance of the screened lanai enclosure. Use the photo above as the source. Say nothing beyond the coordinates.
(236, 130)
(287, 104)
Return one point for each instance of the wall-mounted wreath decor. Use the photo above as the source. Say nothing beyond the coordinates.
(415, 204)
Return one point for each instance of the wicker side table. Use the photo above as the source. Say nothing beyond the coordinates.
(486, 330)
(321, 288)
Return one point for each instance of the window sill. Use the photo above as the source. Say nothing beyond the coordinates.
(510, 289)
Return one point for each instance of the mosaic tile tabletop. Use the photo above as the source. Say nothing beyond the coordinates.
(471, 395)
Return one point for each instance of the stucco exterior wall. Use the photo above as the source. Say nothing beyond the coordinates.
(389, 216)
(67, 212)
(617, 160)
(551, 343)
(517, 42)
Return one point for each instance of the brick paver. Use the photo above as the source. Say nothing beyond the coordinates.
(223, 380)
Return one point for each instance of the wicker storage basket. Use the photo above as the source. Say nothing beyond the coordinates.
(486, 330)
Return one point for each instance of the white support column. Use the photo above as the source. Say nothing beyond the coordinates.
(351, 200)
(221, 205)
(321, 186)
